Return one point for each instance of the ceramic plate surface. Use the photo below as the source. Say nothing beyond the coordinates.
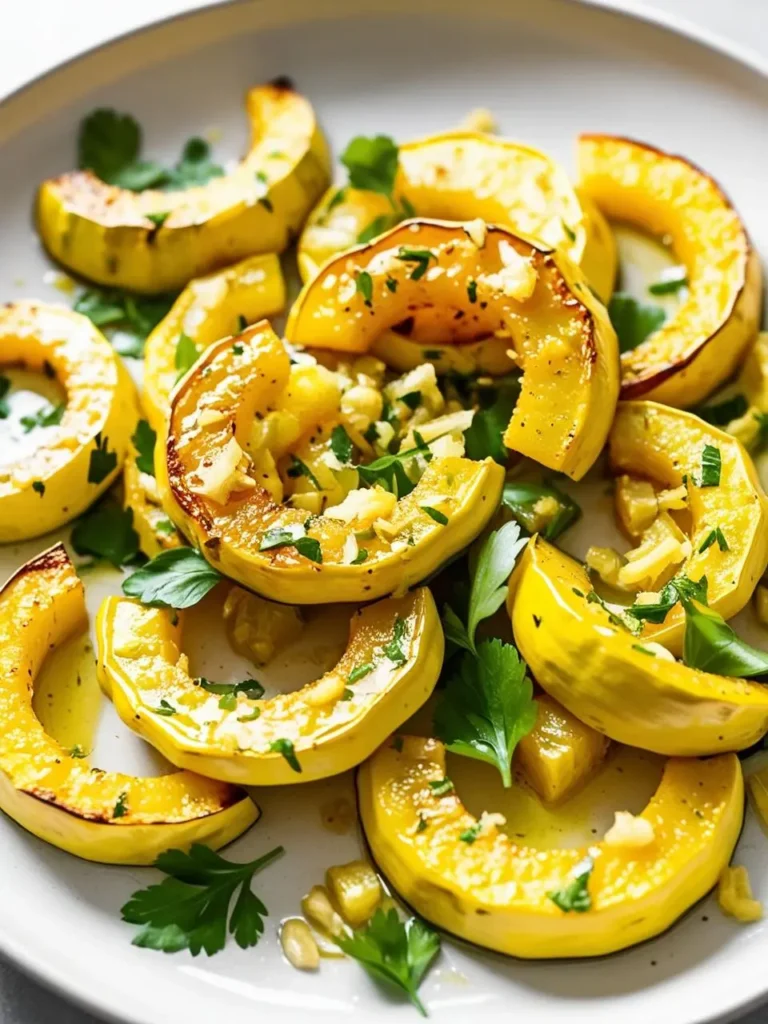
(548, 70)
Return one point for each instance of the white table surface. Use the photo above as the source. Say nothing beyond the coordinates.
(37, 34)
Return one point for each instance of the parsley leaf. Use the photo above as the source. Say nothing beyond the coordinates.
(714, 535)
(293, 536)
(521, 498)
(710, 466)
(420, 257)
(487, 706)
(5, 387)
(298, 468)
(195, 166)
(483, 437)
(144, 440)
(109, 144)
(285, 747)
(439, 517)
(228, 692)
(395, 952)
(102, 461)
(107, 532)
(712, 646)
(378, 226)
(177, 578)
(394, 650)
(633, 321)
(575, 895)
(670, 281)
(341, 444)
(134, 316)
(186, 354)
(46, 416)
(678, 588)
(360, 672)
(121, 806)
(389, 472)
(364, 286)
(191, 908)
(372, 163)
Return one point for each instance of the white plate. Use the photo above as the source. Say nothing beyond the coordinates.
(548, 70)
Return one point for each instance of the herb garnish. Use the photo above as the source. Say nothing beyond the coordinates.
(107, 532)
(285, 747)
(177, 578)
(575, 895)
(710, 466)
(144, 440)
(47, 415)
(420, 257)
(102, 461)
(714, 535)
(520, 498)
(633, 321)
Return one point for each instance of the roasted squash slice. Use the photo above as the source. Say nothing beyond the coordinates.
(495, 892)
(106, 233)
(209, 308)
(461, 175)
(611, 680)
(67, 465)
(667, 446)
(101, 816)
(669, 197)
(753, 385)
(215, 494)
(502, 284)
(388, 670)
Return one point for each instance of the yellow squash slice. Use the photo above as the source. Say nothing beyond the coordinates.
(494, 892)
(107, 234)
(98, 815)
(63, 468)
(217, 493)
(753, 385)
(670, 198)
(462, 175)
(666, 445)
(611, 680)
(505, 286)
(388, 670)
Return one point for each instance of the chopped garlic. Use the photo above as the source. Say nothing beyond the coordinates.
(628, 832)
(479, 119)
(318, 909)
(650, 565)
(477, 230)
(734, 894)
(363, 506)
(449, 446)
(453, 423)
(350, 550)
(299, 945)
(491, 820)
(517, 277)
(422, 379)
(675, 498)
(327, 690)
(224, 475)
(636, 504)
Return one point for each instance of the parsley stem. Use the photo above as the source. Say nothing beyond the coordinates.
(261, 862)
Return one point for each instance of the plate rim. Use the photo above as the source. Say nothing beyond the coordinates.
(683, 28)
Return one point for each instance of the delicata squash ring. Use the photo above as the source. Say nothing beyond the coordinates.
(333, 723)
(41, 491)
(101, 816)
(494, 892)
(669, 197)
(609, 679)
(212, 412)
(105, 233)
(505, 285)
(461, 175)
(666, 445)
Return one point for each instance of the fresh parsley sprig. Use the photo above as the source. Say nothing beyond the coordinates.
(107, 532)
(389, 470)
(711, 645)
(487, 706)
(575, 896)
(191, 908)
(371, 163)
(177, 578)
(678, 589)
(144, 440)
(132, 316)
(398, 953)
(490, 570)
(633, 321)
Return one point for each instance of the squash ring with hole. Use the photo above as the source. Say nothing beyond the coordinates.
(610, 680)
(48, 486)
(669, 197)
(232, 518)
(102, 816)
(493, 891)
(534, 298)
(105, 233)
(333, 723)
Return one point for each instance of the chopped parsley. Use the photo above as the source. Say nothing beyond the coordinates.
(670, 281)
(364, 286)
(711, 537)
(285, 747)
(710, 466)
(47, 415)
(433, 513)
(419, 257)
(102, 461)
(633, 321)
(441, 787)
(574, 896)
(144, 440)
(121, 807)
(299, 468)
(341, 444)
(394, 650)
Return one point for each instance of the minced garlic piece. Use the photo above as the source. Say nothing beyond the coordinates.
(651, 647)
(761, 603)
(299, 945)
(734, 894)
(636, 504)
(479, 119)
(517, 277)
(676, 498)
(477, 230)
(224, 475)
(491, 820)
(318, 909)
(628, 832)
(363, 506)
(421, 380)
(350, 550)
(650, 565)
(606, 562)
(210, 417)
(361, 405)
(327, 690)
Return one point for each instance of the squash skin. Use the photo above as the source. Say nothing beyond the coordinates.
(461, 175)
(329, 734)
(665, 444)
(103, 233)
(596, 671)
(565, 344)
(101, 402)
(493, 892)
(61, 799)
(666, 195)
(230, 535)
